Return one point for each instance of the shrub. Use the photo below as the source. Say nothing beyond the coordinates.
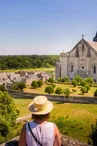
(51, 80)
(59, 91)
(21, 85)
(83, 89)
(65, 79)
(49, 89)
(53, 85)
(2, 88)
(78, 79)
(83, 83)
(40, 83)
(67, 92)
(87, 87)
(34, 84)
(95, 93)
(74, 82)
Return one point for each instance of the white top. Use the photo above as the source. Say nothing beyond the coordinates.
(44, 134)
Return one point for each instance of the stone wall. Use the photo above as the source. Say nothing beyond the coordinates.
(72, 99)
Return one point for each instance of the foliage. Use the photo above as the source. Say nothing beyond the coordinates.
(27, 61)
(8, 113)
(89, 80)
(95, 93)
(59, 90)
(14, 86)
(67, 92)
(51, 80)
(2, 88)
(54, 85)
(40, 83)
(49, 89)
(78, 79)
(87, 87)
(74, 82)
(34, 84)
(59, 80)
(93, 134)
(83, 89)
(65, 79)
(83, 83)
(21, 85)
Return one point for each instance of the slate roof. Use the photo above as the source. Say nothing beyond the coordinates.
(93, 45)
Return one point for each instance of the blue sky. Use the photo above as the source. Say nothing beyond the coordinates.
(45, 26)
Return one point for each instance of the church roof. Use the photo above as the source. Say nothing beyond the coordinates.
(93, 45)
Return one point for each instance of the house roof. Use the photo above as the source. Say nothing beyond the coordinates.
(93, 45)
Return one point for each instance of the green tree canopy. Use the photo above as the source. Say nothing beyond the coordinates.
(49, 89)
(59, 90)
(34, 84)
(51, 80)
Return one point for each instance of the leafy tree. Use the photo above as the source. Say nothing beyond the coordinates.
(53, 85)
(21, 85)
(95, 93)
(51, 80)
(34, 84)
(93, 134)
(78, 79)
(49, 89)
(67, 92)
(59, 90)
(2, 88)
(83, 83)
(87, 87)
(14, 86)
(83, 89)
(74, 82)
(65, 79)
(89, 80)
(40, 83)
(59, 80)
(8, 113)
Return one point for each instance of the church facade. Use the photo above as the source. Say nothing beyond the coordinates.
(81, 60)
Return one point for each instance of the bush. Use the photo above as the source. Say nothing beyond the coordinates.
(2, 88)
(87, 88)
(95, 93)
(83, 89)
(67, 92)
(59, 91)
(74, 82)
(21, 85)
(51, 80)
(49, 89)
(93, 134)
(83, 83)
(34, 84)
(78, 79)
(53, 85)
(40, 83)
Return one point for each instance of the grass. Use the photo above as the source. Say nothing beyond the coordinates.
(72, 119)
(63, 86)
(29, 70)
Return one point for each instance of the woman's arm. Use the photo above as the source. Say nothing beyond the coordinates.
(57, 141)
(22, 140)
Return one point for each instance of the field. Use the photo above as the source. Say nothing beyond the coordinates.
(72, 119)
(63, 86)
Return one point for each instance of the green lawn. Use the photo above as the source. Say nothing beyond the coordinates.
(72, 119)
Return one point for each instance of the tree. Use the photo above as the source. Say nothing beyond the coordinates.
(8, 113)
(78, 79)
(95, 93)
(21, 85)
(83, 83)
(59, 80)
(83, 89)
(53, 85)
(87, 88)
(34, 84)
(2, 88)
(65, 79)
(74, 82)
(67, 92)
(51, 80)
(40, 83)
(59, 90)
(89, 80)
(49, 89)
(93, 134)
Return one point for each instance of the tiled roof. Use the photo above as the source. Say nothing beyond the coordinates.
(93, 44)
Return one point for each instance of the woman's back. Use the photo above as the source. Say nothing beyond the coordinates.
(44, 133)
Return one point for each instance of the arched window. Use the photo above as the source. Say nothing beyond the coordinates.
(71, 68)
(94, 69)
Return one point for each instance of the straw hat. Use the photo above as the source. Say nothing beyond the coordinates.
(40, 105)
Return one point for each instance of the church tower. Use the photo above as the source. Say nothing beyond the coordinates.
(95, 38)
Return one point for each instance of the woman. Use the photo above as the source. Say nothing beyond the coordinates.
(40, 132)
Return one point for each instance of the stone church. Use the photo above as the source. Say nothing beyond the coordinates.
(81, 60)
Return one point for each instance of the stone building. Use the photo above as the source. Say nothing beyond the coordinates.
(81, 60)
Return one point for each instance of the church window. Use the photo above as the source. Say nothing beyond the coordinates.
(94, 69)
(82, 47)
(82, 67)
(71, 68)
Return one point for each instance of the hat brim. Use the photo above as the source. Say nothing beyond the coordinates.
(48, 109)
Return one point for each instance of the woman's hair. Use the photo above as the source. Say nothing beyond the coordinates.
(40, 117)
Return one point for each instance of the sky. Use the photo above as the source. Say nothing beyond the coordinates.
(45, 27)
